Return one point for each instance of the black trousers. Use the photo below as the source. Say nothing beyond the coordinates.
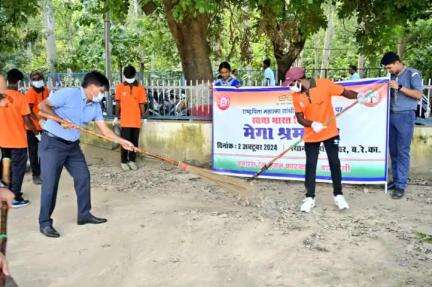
(33, 145)
(55, 154)
(132, 135)
(18, 158)
(312, 151)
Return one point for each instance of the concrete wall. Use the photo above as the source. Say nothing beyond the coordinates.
(186, 141)
(421, 152)
(191, 142)
(181, 140)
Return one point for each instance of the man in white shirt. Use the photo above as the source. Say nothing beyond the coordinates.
(354, 75)
(269, 78)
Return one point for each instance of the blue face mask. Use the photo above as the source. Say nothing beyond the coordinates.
(98, 98)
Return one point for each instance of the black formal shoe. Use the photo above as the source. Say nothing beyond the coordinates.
(49, 231)
(92, 220)
(398, 193)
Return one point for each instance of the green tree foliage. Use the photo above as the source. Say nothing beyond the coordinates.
(194, 36)
(419, 47)
(376, 20)
(14, 15)
(288, 24)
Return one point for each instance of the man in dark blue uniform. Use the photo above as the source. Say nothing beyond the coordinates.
(406, 90)
(60, 147)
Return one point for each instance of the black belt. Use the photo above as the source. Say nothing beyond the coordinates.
(58, 138)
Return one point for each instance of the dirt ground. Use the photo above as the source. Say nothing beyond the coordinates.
(169, 228)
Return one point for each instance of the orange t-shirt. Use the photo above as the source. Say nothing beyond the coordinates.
(12, 129)
(318, 107)
(129, 97)
(34, 98)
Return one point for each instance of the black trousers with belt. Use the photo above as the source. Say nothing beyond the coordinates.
(56, 153)
(312, 151)
(33, 145)
(132, 135)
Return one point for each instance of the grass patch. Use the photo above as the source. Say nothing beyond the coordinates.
(423, 237)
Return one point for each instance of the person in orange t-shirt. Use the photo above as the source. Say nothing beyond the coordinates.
(130, 98)
(3, 102)
(14, 116)
(312, 100)
(36, 94)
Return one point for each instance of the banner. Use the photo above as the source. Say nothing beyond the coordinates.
(252, 125)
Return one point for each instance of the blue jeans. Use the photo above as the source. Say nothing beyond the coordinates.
(400, 136)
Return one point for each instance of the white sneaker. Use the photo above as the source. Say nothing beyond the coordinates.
(341, 202)
(308, 204)
(132, 165)
(125, 167)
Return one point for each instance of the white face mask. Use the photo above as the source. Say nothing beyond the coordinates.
(98, 98)
(38, 84)
(296, 88)
(129, 81)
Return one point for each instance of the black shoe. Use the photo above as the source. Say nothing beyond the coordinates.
(398, 193)
(92, 220)
(37, 180)
(391, 186)
(49, 231)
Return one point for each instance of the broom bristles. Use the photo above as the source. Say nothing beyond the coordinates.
(224, 181)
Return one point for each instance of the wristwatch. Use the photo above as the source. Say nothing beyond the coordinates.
(400, 87)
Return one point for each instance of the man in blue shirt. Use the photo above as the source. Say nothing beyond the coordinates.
(60, 147)
(354, 75)
(406, 89)
(269, 78)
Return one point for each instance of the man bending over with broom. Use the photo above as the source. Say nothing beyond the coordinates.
(314, 110)
(60, 147)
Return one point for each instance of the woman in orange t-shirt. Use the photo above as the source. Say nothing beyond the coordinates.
(130, 98)
(314, 110)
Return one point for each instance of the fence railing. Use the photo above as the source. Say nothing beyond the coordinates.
(425, 102)
(181, 100)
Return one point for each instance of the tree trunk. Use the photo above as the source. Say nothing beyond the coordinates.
(142, 70)
(135, 8)
(50, 36)
(284, 59)
(401, 45)
(361, 65)
(246, 54)
(286, 38)
(108, 71)
(190, 35)
(120, 71)
(316, 44)
(327, 43)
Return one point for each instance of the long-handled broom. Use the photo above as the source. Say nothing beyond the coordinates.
(291, 147)
(4, 280)
(226, 182)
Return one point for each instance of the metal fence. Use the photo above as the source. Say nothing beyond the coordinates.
(424, 109)
(181, 100)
